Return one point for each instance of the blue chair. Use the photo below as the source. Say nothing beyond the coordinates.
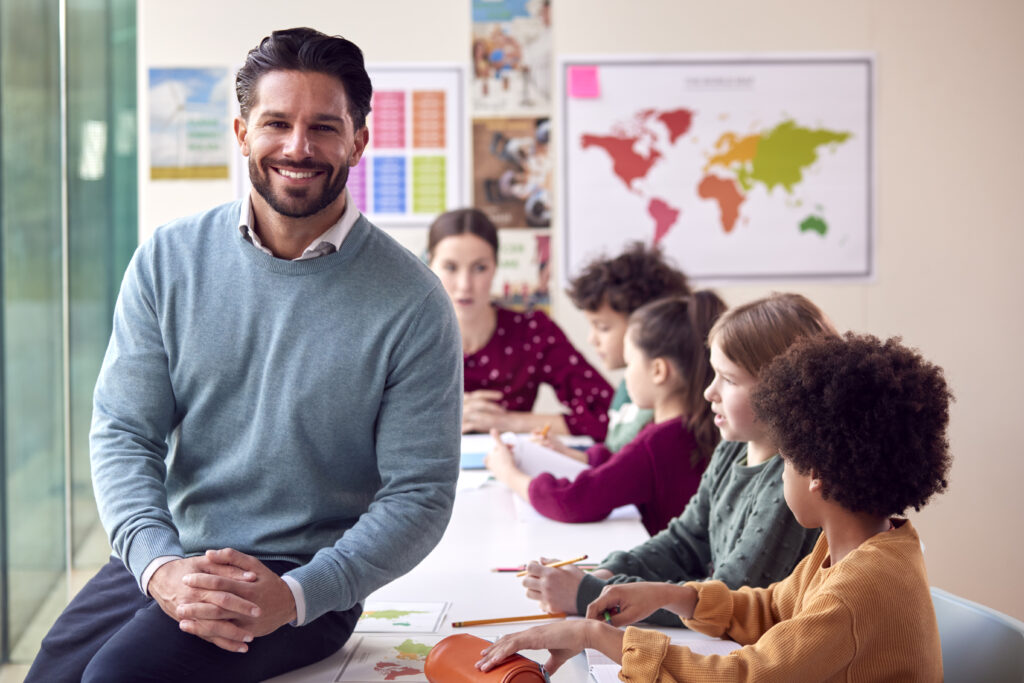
(978, 643)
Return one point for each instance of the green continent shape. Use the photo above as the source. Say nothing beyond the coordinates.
(389, 613)
(814, 224)
(411, 647)
(785, 151)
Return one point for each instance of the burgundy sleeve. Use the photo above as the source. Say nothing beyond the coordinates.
(625, 479)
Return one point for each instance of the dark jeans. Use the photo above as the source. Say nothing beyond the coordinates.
(112, 632)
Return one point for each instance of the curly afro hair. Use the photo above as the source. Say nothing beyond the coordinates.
(636, 276)
(867, 417)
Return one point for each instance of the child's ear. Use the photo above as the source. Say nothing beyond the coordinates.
(814, 484)
(660, 370)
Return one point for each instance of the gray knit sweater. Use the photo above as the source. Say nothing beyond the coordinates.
(293, 410)
(736, 529)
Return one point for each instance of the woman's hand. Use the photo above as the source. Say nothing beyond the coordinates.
(563, 641)
(481, 410)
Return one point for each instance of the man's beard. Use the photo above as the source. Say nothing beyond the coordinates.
(297, 202)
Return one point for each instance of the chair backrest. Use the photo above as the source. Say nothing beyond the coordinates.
(978, 643)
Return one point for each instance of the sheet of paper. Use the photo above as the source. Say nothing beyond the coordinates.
(604, 670)
(533, 459)
(376, 658)
(401, 617)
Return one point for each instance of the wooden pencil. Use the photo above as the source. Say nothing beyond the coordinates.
(562, 563)
(506, 620)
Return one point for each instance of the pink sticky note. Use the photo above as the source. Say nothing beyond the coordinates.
(583, 82)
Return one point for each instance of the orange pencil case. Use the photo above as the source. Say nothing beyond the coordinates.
(452, 661)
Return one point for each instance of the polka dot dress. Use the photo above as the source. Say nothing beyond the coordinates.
(528, 349)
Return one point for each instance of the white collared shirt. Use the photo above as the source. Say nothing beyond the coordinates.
(327, 243)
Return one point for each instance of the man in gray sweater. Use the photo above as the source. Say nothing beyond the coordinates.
(276, 422)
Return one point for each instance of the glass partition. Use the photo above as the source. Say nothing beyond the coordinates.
(60, 273)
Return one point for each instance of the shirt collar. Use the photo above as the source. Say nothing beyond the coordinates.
(327, 243)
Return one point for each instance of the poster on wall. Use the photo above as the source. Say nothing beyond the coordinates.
(522, 281)
(190, 123)
(413, 166)
(742, 168)
(512, 171)
(511, 57)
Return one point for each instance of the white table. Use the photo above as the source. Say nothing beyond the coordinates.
(484, 533)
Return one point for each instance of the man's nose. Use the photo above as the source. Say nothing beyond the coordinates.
(298, 144)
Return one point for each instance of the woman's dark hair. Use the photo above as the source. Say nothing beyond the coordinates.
(462, 222)
(867, 417)
(676, 329)
(633, 278)
(306, 49)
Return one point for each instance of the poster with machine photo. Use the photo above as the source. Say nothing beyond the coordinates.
(512, 170)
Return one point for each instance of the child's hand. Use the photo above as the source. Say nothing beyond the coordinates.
(551, 441)
(553, 587)
(500, 459)
(563, 640)
(628, 603)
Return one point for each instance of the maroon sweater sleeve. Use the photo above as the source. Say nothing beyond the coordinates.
(624, 479)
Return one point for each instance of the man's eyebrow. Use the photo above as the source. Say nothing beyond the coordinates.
(334, 118)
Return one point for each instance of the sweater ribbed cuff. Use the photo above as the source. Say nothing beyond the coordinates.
(148, 544)
(590, 588)
(714, 604)
(322, 589)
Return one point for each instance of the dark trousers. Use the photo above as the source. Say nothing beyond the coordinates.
(112, 632)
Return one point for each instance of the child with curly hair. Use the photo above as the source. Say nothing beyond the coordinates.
(608, 290)
(861, 427)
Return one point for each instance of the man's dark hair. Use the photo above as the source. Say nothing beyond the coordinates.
(867, 417)
(306, 49)
(633, 278)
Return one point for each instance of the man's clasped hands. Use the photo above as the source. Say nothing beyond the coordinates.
(224, 596)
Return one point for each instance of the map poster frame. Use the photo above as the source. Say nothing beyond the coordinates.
(743, 168)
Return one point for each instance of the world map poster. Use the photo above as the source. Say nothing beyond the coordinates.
(740, 168)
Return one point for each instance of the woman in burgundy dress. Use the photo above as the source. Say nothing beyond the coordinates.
(507, 354)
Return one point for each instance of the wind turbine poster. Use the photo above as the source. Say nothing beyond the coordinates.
(189, 123)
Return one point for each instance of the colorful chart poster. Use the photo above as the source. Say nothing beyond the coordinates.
(512, 171)
(401, 617)
(189, 123)
(386, 658)
(511, 56)
(413, 166)
(741, 168)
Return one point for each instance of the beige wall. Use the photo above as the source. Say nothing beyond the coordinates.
(950, 102)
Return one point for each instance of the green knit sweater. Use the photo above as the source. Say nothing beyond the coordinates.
(736, 529)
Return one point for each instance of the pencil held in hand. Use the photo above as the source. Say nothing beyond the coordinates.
(544, 430)
(561, 563)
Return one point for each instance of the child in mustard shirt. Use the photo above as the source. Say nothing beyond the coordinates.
(861, 427)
